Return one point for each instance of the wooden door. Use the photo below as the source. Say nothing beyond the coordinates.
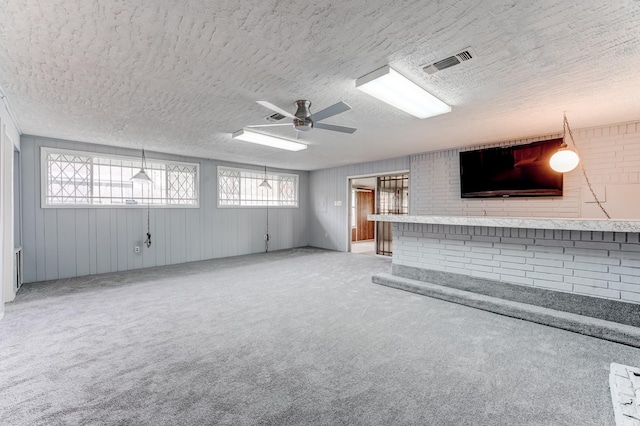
(365, 204)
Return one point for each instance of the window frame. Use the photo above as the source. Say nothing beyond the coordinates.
(45, 150)
(256, 171)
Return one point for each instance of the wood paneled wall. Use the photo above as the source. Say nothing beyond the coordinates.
(68, 242)
(329, 204)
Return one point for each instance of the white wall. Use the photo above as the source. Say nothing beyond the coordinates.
(610, 154)
(60, 243)
(9, 141)
(328, 187)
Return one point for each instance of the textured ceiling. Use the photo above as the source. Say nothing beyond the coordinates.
(179, 76)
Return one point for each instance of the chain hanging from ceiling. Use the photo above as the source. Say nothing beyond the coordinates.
(566, 128)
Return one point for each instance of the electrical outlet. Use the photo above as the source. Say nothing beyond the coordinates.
(136, 249)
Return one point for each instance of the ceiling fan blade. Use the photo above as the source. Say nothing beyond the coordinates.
(270, 125)
(279, 110)
(325, 126)
(330, 111)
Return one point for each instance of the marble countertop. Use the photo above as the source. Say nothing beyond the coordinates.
(567, 224)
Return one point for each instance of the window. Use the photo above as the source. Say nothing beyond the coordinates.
(240, 187)
(85, 179)
(393, 194)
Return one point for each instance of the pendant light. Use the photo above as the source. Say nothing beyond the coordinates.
(265, 184)
(565, 159)
(142, 176)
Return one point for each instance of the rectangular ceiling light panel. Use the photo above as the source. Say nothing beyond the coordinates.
(391, 87)
(268, 140)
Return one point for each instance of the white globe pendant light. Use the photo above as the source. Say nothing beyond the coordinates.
(564, 160)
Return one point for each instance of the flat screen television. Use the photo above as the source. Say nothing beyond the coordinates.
(512, 171)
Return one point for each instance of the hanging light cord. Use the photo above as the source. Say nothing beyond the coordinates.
(148, 240)
(566, 127)
(266, 240)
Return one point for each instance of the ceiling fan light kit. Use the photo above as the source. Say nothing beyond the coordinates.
(301, 121)
(268, 140)
(391, 87)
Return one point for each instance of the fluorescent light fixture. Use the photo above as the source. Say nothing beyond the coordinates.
(391, 87)
(268, 140)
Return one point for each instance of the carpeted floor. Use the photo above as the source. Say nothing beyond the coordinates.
(286, 338)
(363, 247)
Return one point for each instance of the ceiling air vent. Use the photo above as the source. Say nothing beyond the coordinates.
(274, 117)
(466, 55)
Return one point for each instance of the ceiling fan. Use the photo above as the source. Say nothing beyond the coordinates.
(304, 120)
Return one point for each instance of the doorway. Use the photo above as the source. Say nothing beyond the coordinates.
(382, 194)
(363, 203)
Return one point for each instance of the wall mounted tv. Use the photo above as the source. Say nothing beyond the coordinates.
(512, 171)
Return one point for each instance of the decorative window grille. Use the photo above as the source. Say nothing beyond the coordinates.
(83, 179)
(241, 188)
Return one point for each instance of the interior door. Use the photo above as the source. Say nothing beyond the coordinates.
(365, 205)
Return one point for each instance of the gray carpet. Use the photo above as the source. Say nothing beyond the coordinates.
(588, 325)
(595, 307)
(286, 338)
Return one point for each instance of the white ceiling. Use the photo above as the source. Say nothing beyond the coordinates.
(179, 76)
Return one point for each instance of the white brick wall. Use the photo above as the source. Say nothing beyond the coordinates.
(602, 264)
(611, 156)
